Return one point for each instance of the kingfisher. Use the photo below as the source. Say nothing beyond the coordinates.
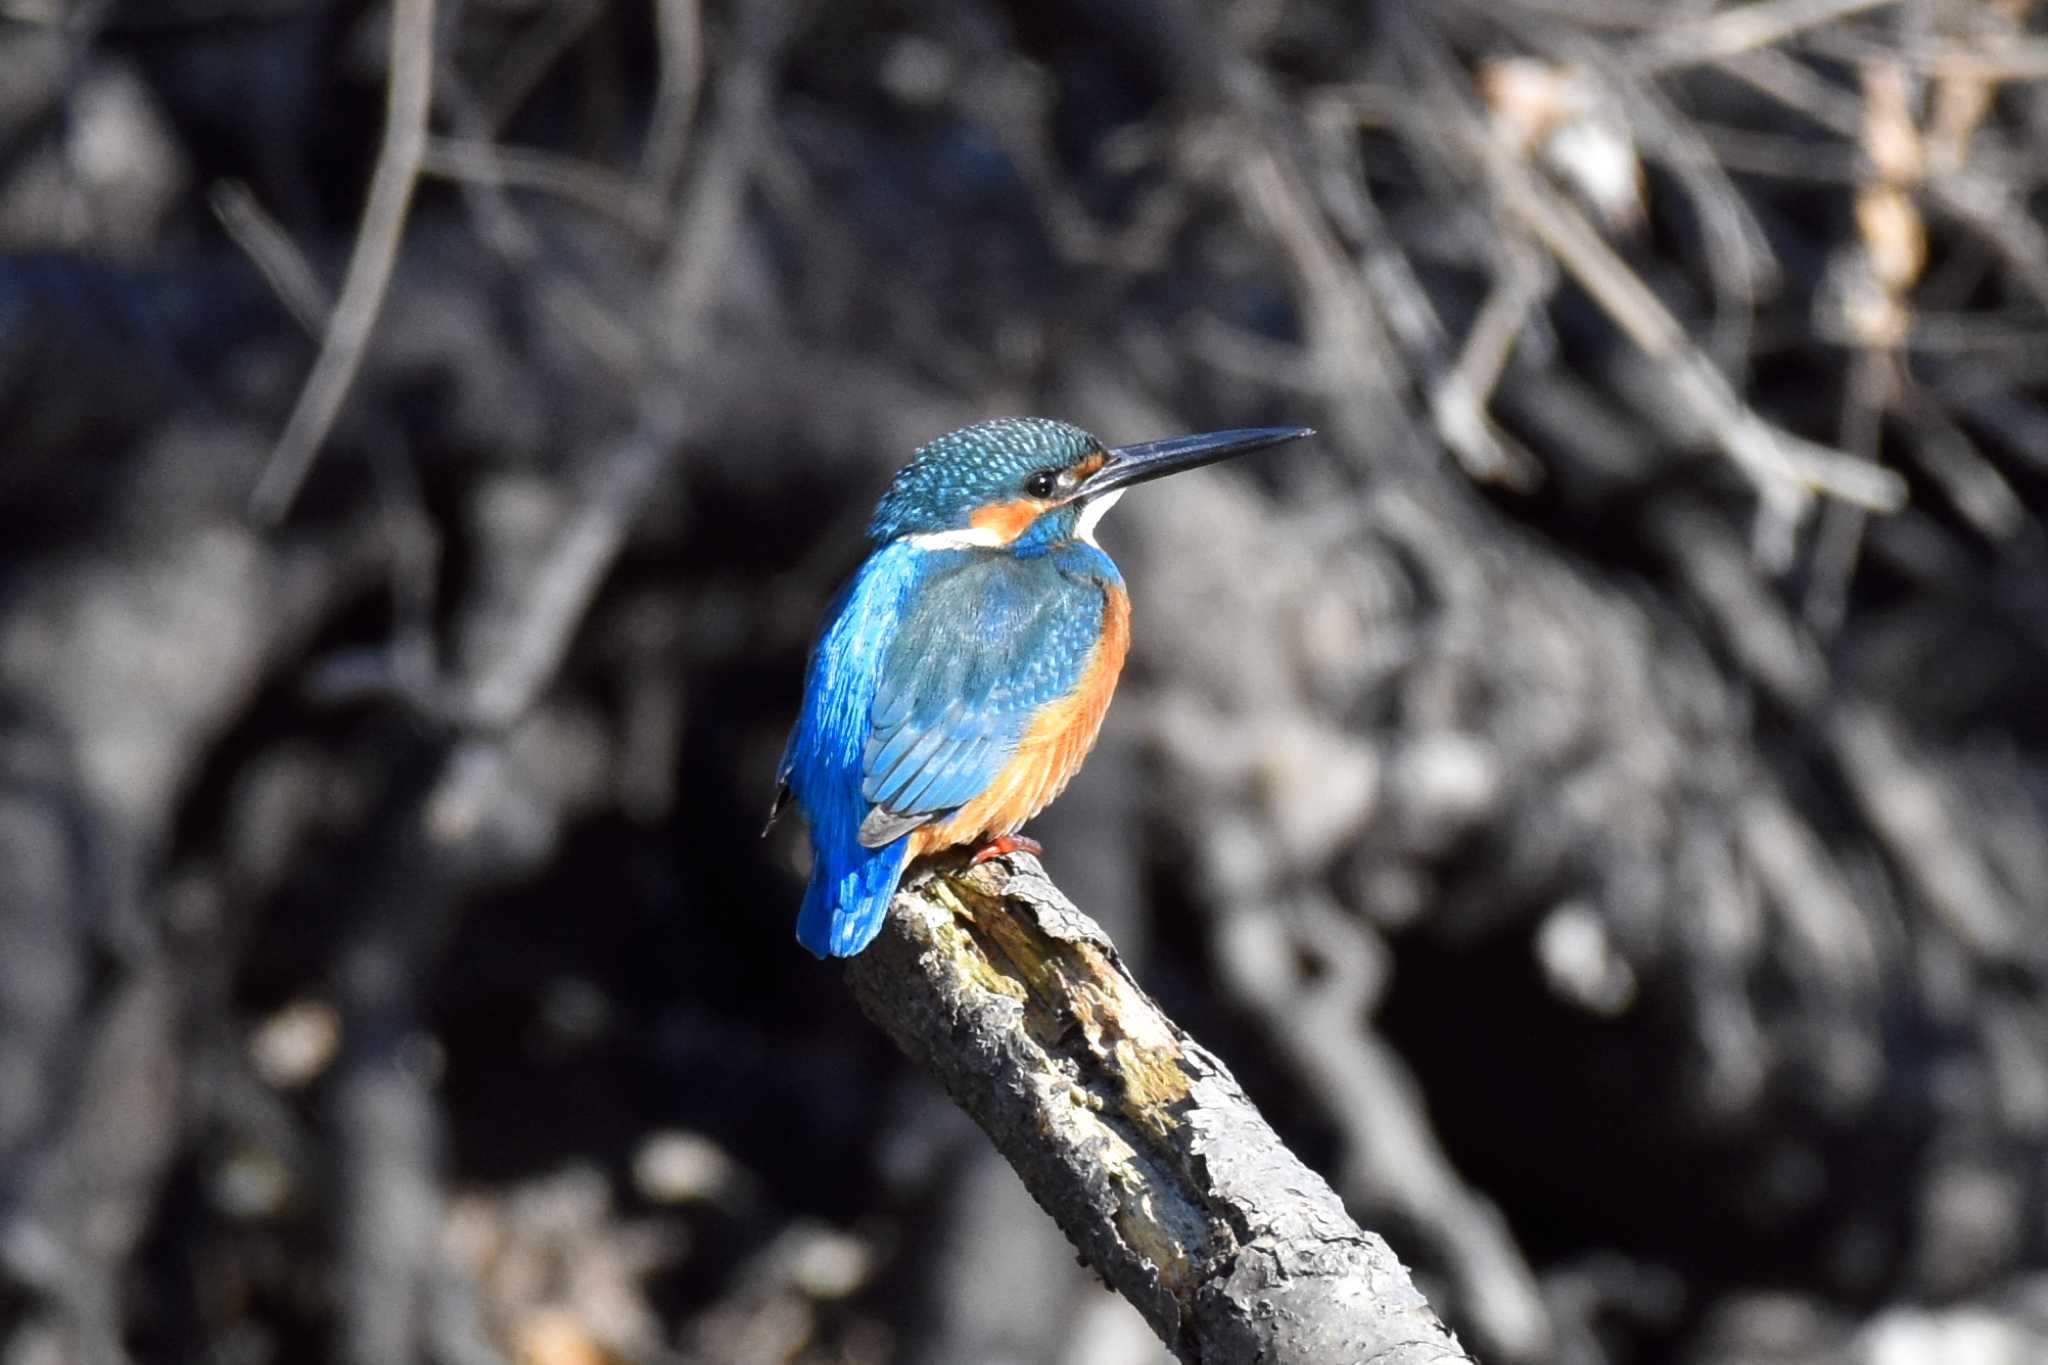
(962, 675)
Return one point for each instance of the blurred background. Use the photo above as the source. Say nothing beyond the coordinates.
(1595, 796)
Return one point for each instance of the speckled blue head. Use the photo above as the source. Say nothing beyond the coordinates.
(1028, 483)
(1011, 462)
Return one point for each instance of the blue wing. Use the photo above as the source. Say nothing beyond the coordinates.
(981, 649)
(851, 884)
(928, 674)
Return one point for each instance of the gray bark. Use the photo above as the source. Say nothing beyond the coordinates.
(1137, 1140)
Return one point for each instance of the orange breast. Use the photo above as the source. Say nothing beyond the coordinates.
(1052, 749)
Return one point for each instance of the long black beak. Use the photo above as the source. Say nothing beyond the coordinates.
(1155, 459)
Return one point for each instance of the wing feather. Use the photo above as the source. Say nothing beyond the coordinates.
(983, 649)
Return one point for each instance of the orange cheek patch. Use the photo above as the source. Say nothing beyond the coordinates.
(1007, 519)
(1090, 464)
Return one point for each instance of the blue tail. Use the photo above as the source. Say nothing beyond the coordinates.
(849, 896)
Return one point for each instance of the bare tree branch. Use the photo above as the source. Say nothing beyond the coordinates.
(1741, 29)
(1137, 1140)
(411, 96)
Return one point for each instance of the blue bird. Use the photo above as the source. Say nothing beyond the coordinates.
(963, 674)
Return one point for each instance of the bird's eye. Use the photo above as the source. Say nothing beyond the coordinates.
(1043, 483)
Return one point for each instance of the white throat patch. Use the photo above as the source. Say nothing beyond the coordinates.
(1091, 514)
(966, 538)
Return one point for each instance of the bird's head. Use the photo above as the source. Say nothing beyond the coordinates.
(1024, 483)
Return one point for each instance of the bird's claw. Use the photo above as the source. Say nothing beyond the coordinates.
(1005, 844)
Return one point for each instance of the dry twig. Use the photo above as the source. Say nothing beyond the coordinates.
(1786, 469)
(1744, 28)
(283, 266)
(579, 182)
(409, 97)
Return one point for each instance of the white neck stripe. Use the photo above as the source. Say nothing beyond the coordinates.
(966, 538)
(1091, 515)
(988, 538)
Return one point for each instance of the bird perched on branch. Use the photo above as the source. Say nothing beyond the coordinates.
(963, 674)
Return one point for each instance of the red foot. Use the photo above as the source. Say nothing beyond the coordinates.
(1006, 843)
